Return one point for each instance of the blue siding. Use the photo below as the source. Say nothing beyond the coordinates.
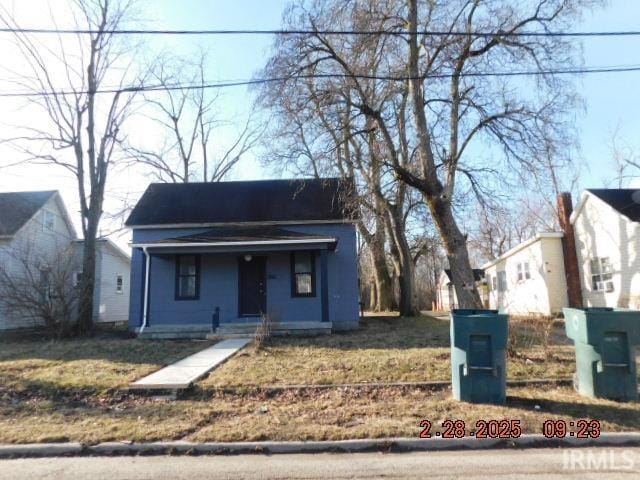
(219, 283)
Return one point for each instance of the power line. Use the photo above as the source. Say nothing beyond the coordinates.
(260, 81)
(435, 33)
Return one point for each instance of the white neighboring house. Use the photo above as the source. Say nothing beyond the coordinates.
(113, 272)
(530, 278)
(31, 223)
(38, 222)
(607, 231)
(447, 299)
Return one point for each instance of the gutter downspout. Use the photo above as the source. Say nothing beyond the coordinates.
(145, 308)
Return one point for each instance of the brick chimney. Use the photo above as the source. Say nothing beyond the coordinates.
(571, 270)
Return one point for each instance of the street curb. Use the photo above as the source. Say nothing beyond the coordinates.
(341, 446)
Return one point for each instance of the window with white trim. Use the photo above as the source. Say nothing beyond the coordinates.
(601, 274)
(45, 283)
(119, 284)
(524, 273)
(48, 221)
(502, 281)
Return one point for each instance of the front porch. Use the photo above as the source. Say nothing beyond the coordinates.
(223, 282)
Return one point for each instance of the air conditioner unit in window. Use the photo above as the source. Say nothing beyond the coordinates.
(604, 286)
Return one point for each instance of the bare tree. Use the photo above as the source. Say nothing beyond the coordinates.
(321, 132)
(82, 126)
(625, 160)
(452, 112)
(40, 289)
(189, 119)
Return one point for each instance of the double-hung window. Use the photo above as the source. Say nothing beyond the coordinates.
(48, 221)
(119, 284)
(601, 274)
(502, 281)
(45, 284)
(187, 277)
(524, 273)
(303, 282)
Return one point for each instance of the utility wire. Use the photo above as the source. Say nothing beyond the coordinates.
(435, 33)
(260, 81)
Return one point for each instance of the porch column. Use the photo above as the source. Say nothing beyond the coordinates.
(324, 285)
(143, 281)
(146, 287)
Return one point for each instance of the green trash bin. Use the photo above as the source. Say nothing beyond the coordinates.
(478, 355)
(605, 341)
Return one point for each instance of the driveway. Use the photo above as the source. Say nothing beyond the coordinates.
(582, 463)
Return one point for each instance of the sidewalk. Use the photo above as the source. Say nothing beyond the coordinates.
(183, 373)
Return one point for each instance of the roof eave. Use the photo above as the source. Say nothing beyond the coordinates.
(229, 224)
(522, 246)
(249, 243)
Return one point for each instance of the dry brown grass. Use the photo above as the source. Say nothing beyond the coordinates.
(96, 364)
(290, 415)
(385, 349)
(69, 391)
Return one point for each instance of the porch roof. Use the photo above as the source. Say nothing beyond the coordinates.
(245, 237)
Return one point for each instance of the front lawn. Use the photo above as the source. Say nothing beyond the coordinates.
(326, 414)
(96, 365)
(386, 349)
(74, 390)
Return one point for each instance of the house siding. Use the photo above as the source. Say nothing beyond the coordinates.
(603, 232)
(219, 283)
(34, 238)
(112, 306)
(444, 300)
(545, 293)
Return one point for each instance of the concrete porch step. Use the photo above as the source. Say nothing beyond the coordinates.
(161, 332)
(231, 330)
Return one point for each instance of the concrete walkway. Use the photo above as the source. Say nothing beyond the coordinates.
(183, 373)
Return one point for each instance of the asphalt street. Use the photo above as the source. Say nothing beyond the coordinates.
(583, 463)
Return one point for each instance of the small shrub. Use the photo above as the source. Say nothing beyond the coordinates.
(529, 332)
(265, 330)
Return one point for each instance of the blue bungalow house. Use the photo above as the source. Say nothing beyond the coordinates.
(215, 257)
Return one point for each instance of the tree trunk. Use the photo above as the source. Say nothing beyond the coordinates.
(373, 295)
(455, 244)
(87, 285)
(384, 292)
(406, 280)
(438, 198)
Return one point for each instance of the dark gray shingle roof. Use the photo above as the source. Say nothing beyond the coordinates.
(16, 208)
(624, 200)
(478, 274)
(244, 201)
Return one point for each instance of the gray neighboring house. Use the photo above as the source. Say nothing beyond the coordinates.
(39, 222)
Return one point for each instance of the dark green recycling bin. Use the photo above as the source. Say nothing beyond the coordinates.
(605, 341)
(478, 355)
